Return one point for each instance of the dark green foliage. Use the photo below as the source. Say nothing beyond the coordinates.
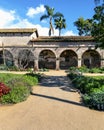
(60, 23)
(13, 68)
(95, 100)
(92, 89)
(95, 70)
(84, 69)
(83, 26)
(20, 85)
(17, 94)
(3, 67)
(98, 25)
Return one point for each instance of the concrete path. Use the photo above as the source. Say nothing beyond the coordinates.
(53, 105)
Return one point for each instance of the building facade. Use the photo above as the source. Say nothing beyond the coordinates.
(25, 49)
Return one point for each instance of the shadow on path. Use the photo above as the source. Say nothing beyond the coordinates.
(62, 82)
(54, 81)
(58, 99)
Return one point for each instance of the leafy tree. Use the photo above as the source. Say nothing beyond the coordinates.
(51, 15)
(98, 25)
(83, 26)
(60, 24)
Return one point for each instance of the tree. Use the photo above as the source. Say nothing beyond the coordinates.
(83, 26)
(98, 25)
(25, 59)
(51, 15)
(60, 24)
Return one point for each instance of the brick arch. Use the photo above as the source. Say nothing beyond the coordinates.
(47, 59)
(91, 59)
(6, 57)
(68, 58)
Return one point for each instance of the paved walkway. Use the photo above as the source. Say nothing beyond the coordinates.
(53, 105)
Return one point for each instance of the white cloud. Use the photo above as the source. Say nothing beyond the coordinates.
(34, 11)
(22, 23)
(6, 17)
(9, 19)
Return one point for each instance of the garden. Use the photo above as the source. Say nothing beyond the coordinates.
(91, 88)
(15, 88)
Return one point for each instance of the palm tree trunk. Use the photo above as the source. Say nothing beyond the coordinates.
(51, 29)
(59, 32)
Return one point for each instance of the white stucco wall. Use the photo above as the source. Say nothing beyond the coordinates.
(16, 39)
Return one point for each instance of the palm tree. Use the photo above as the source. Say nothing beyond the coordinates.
(51, 15)
(60, 24)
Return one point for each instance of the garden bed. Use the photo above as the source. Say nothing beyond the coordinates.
(16, 88)
(91, 89)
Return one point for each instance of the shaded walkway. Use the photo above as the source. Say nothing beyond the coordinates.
(58, 85)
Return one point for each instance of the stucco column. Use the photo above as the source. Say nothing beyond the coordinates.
(102, 59)
(36, 67)
(79, 62)
(102, 62)
(15, 61)
(57, 64)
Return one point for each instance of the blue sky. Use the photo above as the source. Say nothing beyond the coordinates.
(26, 13)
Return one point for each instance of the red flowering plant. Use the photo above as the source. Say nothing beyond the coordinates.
(4, 89)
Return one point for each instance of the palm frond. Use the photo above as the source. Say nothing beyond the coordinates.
(46, 7)
(58, 14)
(44, 17)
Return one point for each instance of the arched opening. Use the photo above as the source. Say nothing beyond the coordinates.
(25, 59)
(68, 58)
(91, 59)
(6, 58)
(47, 59)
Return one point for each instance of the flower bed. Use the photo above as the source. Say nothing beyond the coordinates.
(20, 87)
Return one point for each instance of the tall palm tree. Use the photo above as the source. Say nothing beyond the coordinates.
(60, 24)
(51, 15)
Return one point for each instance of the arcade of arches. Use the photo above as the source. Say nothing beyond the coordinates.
(50, 60)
